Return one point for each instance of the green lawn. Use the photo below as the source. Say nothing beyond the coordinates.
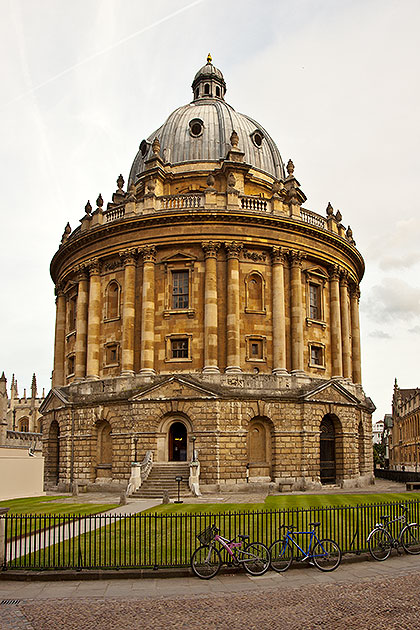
(48, 506)
(287, 501)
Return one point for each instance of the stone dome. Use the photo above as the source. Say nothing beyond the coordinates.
(200, 131)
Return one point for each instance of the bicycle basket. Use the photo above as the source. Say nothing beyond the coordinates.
(207, 535)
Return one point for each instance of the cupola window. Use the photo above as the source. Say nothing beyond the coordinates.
(207, 89)
(144, 147)
(196, 127)
(217, 91)
(257, 138)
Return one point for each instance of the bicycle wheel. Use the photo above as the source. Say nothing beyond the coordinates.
(281, 553)
(206, 562)
(410, 539)
(326, 555)
(380, 544)
(255, 558)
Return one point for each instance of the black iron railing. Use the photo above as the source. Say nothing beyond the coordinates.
(153, 540)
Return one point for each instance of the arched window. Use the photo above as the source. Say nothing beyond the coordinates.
(254, 285)
(71, 313)
(104, 444)
(113, 300)
(207, 89)
(23, 424)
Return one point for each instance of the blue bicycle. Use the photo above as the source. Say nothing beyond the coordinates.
(325, 554)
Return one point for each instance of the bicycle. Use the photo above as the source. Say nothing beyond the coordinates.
(325, 554)
(207, 560)
(381, 541)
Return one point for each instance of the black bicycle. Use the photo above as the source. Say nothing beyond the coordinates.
(381, 541)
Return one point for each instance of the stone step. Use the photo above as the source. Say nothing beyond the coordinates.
(162, 479)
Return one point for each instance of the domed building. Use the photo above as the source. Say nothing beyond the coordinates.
(207, 323)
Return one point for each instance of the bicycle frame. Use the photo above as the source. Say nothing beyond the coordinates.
(228, 545)
(289, 538)
(385, 526)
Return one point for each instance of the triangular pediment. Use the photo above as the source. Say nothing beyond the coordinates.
(55, 399)
(179, 257)
(332, 391)
(175, 388)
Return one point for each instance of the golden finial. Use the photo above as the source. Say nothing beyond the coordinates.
(209, 59)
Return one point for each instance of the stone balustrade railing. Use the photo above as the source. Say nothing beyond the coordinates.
(172, 202)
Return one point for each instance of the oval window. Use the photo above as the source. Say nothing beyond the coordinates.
(144, 147)
(257, 138)
(196, 127)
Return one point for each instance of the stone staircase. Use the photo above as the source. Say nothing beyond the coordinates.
(161, 478)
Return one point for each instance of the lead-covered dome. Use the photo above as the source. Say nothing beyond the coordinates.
(201, 131)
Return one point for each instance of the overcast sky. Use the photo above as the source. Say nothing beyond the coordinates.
(334, 82)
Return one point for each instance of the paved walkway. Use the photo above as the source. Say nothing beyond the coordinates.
(360, 594)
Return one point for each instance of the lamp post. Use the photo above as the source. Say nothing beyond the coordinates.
(178, 479)
(193, 439)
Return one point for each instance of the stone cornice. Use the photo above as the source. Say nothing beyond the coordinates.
(139, 223)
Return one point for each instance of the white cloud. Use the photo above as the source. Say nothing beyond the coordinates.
(392, 300)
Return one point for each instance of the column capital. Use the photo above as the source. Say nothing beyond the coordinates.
(344, 277)
(93, 266)
(148, 253)
(334, 272)
(129, 256)
(278, 255)
(59, 289)
(81, 272)
(210, 248)
(354, 290)
(296, 257)
(233, 248)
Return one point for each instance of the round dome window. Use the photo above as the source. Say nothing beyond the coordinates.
(144, 147)
(257, 138)
(196, 127)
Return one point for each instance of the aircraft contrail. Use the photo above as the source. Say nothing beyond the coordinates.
(104, 50)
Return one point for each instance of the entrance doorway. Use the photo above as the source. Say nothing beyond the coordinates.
(178, 442)
(327, 451)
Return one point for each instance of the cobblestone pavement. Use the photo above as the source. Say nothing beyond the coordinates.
(357, 596)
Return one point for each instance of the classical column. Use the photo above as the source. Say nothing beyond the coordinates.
(58, 378)
(147, 363)
(279, 317)
(345, 325)
(335, 323)
(233, 358)
(355, 333)
(81, 325)
(128, 312)
(296, 307)
(94, 320)
(210, 307)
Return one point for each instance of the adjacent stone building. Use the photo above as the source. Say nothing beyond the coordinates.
(404, 438)
(205, 313)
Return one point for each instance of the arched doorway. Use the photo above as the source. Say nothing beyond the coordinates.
(54, 453)
(259, 449)
(104, 449)
(327, 451)
(177, 442)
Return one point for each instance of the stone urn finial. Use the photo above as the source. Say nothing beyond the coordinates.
(88, 208)
(338, 216)
(120, 183)
(234, 140)
(290, 168)
(330, 210)
(156, 146)
(99, 201)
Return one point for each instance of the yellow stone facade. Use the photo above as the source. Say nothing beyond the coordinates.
(207, 296)
(404, 438)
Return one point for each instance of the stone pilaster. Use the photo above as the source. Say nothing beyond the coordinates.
(58, 378)
(279, 317)
(335, 323)
(233, 358)
(129, 258)
(296, 308)
(147, 362)
(81, 325)
(210, 307)
(345, 325)
(355, 334)
(94, 320)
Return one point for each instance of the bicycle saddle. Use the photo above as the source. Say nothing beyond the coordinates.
(385, 517)
(243, 537)
(314, 524)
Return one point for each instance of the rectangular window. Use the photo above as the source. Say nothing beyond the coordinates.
(179, 348)
(180, 289)
(111, 354)
(255, 348)
(316, 355)
(314, 301)
(70, 365)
